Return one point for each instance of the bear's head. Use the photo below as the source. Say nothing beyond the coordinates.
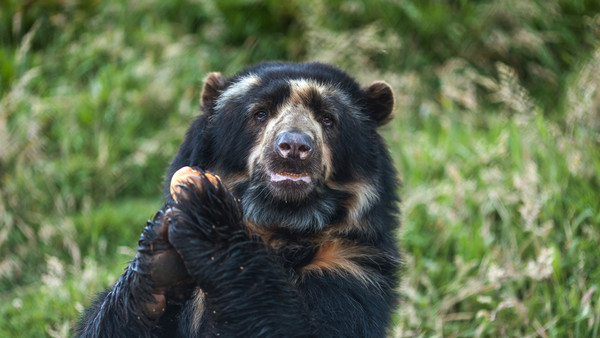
(297, 143)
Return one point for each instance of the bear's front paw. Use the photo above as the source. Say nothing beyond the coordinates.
(165, 266)
(205, 209)
(206, 218)
(169, 280)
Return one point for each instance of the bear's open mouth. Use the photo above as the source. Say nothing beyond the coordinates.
(283, 176)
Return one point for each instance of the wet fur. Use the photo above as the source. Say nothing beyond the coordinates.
(324, 265)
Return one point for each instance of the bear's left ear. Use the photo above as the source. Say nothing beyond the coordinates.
(380, 102)
(214, 83)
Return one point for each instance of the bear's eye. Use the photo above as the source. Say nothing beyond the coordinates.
(261, 115)
(327, 121)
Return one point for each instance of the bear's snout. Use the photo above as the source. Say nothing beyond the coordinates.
(294, 145)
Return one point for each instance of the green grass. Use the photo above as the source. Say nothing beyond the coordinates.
(496, 140)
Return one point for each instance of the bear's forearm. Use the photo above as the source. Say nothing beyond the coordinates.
(366, 307)
(246, 292)
(253, 307)
(270, 306)
(122, 311)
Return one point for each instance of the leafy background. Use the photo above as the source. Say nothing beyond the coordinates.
(496, 138)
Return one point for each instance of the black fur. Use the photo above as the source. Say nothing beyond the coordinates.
(261, 262)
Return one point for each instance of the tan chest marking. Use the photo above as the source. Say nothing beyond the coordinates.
(339, 257)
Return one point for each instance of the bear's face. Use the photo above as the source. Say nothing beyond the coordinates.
(291, 154)
(295, 142)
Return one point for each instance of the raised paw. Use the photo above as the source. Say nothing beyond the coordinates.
(158, 259)
(205, 209)
(166, 266)
(192, 179)
(206, 219)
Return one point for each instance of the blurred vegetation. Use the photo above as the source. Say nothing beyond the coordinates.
(496, 138)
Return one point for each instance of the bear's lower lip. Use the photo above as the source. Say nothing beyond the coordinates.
(289, 176)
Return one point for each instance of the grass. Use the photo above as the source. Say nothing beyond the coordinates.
(496, 140)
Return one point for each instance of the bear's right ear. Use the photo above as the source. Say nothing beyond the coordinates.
(214, 83)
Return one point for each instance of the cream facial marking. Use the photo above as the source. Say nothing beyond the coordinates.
(257, 153)
(364, 196)
(295, 114)
(327, 162)
(239, 88)
(301, 89)
(291, 115)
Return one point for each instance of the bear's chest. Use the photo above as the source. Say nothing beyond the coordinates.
(294, 256)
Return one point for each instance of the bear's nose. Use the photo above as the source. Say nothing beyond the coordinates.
(294, 145)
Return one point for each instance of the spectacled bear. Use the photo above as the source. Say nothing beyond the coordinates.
(287, 228)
